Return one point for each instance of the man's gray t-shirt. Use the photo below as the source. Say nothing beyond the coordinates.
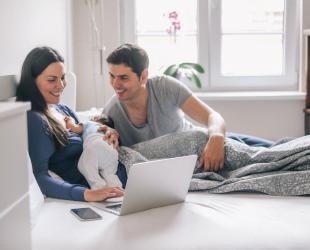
(165, 97)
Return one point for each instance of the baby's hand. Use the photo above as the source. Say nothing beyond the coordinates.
(95, 118)
(69, 122)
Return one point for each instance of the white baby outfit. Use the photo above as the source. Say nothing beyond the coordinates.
(99, 160)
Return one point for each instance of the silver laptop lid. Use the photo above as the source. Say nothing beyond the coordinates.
(157, 183)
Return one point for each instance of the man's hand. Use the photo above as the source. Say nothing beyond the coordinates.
(110, 135)
(212, 158)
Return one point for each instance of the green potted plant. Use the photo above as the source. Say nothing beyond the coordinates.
(190, 70)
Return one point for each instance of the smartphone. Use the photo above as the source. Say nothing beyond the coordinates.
(85, 214)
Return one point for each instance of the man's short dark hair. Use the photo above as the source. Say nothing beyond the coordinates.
(130, 55)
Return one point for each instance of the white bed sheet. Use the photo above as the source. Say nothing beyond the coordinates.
(204, 221)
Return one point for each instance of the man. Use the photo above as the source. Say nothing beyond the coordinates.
(145, 108)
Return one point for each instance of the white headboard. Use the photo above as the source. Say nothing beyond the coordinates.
(8, 84)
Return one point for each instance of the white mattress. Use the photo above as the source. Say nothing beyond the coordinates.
(204, 221)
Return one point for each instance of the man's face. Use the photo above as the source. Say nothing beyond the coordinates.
(126, 83)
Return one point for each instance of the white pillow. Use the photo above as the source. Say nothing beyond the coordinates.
(36, 198)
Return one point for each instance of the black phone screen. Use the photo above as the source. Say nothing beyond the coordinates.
(86, 213)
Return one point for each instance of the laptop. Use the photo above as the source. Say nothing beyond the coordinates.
(154, 184)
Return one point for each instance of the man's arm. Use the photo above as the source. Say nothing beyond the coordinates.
(212, 158)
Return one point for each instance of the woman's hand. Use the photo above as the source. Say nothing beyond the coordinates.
(102, 193)
(110, 135)
(212, 158)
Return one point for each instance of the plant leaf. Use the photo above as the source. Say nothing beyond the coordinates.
(172, 70)
(195, 66)
(194, 78)
(190, 70)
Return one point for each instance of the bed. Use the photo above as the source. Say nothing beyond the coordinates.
(237, 220)
(204, 221)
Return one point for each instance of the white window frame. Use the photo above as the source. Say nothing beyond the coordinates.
(209, 47)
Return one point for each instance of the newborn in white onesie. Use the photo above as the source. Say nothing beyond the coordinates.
(99, 160)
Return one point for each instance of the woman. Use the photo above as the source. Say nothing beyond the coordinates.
(51, 146)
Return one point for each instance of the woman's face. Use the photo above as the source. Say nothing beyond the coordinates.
(51, 82)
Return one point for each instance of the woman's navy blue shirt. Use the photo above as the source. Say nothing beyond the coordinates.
(44, 156)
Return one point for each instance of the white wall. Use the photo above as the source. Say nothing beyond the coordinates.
(93, 89)
(272, 119)
(306, 16)
(27, 24)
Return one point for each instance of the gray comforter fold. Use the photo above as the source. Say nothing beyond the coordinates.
(283, 169)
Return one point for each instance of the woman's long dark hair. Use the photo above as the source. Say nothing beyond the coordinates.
(35, 63)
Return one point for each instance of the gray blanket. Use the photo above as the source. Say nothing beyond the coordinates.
(283, 169)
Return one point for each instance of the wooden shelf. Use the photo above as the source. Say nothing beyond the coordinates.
(307, 64)
(14, 205)
(308, 69)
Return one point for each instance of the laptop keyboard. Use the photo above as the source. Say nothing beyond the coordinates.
(116, 207)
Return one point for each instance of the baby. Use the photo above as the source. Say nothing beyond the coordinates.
(99, 160)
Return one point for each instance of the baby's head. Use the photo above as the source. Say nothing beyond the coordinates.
(105, 120)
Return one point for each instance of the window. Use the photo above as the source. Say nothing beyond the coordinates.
(243, 44)
(166, 29)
